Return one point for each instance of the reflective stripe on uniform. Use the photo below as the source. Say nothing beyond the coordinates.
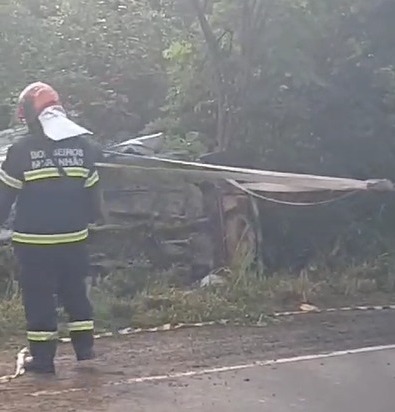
(80, 326)
(51, 172)
(92, 180)
(50, 239)
(9, 180)
(42, 336)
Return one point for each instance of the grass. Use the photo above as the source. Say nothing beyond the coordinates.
(245, 296)
(12, 321)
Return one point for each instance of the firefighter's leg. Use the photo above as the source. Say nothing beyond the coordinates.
(38, 284)
(74, 297)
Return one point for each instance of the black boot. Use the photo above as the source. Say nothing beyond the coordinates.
(42, 357)
(32, 365)
(83, 345)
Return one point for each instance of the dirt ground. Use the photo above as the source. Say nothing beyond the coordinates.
(98, 386)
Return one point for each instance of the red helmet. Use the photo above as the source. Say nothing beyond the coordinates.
(34, 99)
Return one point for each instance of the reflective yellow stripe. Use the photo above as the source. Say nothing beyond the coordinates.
(50, 172)
(92, 180)
(41, 174)
(80, 326)
(9, 180)
(42, 336)
(77, 172)
(50, 239)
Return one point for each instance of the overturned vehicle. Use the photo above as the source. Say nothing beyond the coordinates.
(193, 218)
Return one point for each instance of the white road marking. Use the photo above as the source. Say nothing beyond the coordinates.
(168, 327)
(224, 369)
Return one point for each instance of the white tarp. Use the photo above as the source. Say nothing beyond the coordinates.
(257, 180)
(251, 179)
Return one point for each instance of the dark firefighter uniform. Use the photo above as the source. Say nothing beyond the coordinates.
(55, 186)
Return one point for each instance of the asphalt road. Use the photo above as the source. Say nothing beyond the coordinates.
(194, 370)
(351, 383)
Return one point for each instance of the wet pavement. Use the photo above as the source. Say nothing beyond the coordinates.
(173, 371)
(352, 383)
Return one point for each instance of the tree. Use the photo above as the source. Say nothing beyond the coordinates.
(292, 85)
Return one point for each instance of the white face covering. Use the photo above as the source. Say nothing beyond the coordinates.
(57, 126)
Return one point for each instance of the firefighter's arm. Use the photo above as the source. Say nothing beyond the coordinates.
(94, 192)
(95, 198)
(11, 182)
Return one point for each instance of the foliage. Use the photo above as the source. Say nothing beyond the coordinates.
(95, 52)
(293, 85)
(244, 297)
(8, 273)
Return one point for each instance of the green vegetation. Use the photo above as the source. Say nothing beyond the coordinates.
(244, 297)
(290, 85)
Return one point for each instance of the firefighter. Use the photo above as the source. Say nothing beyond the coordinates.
(51, 175)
